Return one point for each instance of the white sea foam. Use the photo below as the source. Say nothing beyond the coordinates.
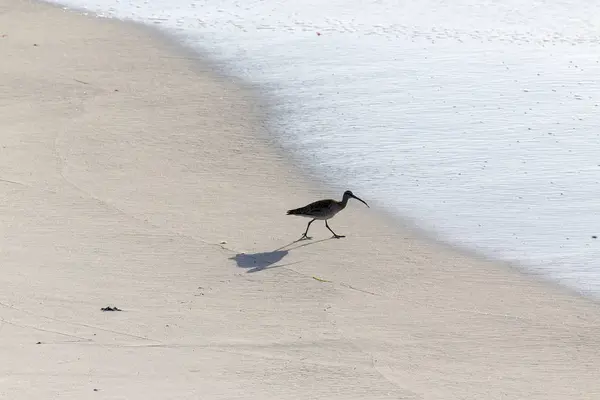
(480, 121)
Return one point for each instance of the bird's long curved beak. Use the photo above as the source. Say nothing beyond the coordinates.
(361, 200)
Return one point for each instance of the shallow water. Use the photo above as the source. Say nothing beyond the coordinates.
(476, 120)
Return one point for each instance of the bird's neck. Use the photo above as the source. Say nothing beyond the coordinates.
(344, 201)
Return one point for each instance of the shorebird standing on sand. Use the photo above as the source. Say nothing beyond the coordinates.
(324, 210)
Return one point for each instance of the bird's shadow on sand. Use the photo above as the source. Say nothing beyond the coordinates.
(256, 262)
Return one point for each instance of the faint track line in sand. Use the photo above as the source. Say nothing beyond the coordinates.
(80, 339)
(358, 289)
(14, 182)
(93, 327)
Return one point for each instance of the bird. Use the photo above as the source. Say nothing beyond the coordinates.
(324, 210)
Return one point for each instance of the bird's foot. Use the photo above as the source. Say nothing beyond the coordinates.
(304, 237)
(338, 236)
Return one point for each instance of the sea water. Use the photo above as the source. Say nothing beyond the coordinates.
(479, 121)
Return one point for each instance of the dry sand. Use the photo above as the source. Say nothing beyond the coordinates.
(125, 164)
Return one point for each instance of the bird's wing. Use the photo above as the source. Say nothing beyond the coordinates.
(312, 207)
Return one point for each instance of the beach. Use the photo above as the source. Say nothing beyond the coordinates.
(135, 175)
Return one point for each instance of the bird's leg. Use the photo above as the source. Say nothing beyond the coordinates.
(305, 234)
(335, 235)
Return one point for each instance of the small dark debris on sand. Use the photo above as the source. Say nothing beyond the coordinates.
(110, 309)
(594, 237)
(39, 343)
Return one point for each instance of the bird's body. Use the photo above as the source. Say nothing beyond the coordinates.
(323, 210)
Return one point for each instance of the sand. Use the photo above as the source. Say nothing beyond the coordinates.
(133, 175)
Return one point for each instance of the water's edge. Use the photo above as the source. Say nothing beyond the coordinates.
(264, 103)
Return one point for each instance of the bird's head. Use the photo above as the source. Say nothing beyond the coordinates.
(348, 195)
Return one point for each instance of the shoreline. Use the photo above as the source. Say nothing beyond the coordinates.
(319, 186)
(154, 174)
(322, 187)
